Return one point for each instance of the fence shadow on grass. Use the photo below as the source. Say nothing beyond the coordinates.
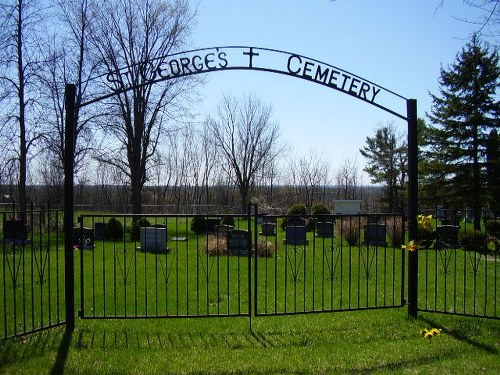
(62, 353)
(27, 347)
(463, 335)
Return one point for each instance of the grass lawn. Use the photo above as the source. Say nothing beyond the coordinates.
(376, 341)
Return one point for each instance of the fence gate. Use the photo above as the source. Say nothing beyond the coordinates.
(163, 266)
(328, 263)
(221, 265)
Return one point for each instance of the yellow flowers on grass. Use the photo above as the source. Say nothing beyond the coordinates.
(430, 333)
(410, 246)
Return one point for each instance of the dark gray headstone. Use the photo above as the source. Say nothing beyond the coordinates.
(296, 235)
(238, 242)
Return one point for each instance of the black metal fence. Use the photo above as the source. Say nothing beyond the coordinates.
(177, 265)
(31, 272)
(459, 266)
(128, 266)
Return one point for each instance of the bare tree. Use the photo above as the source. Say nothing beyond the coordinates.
(20, 23)
(67, 60)
(247, 139)
(347, 180)
(312, 173)
(136, 36)
(488, 20)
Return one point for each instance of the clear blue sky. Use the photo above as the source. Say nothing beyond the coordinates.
(398, 44)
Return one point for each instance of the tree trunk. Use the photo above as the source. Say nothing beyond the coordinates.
(22, 118)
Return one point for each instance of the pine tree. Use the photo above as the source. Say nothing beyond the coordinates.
(387, 163)
(462, 117)
(493, 171)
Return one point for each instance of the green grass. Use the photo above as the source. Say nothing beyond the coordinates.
(377, 341)
(324, 275)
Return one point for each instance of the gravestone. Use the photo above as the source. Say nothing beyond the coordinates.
(83, 236)
(153, 239)
(100, 232)
(268, 229)
(15, 231)
(295, 235)
(237, 242)
(295, 221)
(375, 234)
(446, 236)
(211, 224)
(324, 229)
(348, 207)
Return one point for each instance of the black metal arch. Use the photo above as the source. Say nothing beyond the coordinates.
(215, 59)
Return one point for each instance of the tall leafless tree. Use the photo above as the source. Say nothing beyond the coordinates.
(312, 173)
(347, 180)
(129, 35)
(20, 24)
(247, 139)
(67, 60)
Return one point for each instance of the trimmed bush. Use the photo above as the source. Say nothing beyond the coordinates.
(228, 220)
(472, 240)
(198, 224)
(296, 209)
(320, 209)
(135, 233)
(493, 226)
(114, 230)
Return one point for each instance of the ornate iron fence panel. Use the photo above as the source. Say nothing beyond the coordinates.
(329, 263)
(459, 268)
(31, 272)
(164, 266)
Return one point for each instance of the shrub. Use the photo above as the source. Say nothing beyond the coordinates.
(425, 228)
(265, 249)
(350, 228)
(228, 220)
(310, 224)
(316, 209)
(296, 209)
(493, 226)
(395, 230)
(198, 224)
(319, 209)
(135, 233)
(472, 240)
(215, 245)
(114, 229)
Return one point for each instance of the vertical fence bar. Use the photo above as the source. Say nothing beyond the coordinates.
(411, 107)
(69, 144)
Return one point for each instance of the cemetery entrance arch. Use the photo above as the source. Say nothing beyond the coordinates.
(218, 59)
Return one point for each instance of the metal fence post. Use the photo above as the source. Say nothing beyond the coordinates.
(411, 106)
(69, 267)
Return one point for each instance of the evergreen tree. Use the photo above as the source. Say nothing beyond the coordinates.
(493, 171)
(462, 116)
(387, 164)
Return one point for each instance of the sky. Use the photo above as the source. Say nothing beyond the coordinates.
(400, 45)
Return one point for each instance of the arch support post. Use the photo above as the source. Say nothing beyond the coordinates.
(69, 265)
(411, 107)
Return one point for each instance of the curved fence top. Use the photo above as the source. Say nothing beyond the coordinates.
(217, 59)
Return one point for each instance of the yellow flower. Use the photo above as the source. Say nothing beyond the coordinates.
(429, 333)
(410, 246)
